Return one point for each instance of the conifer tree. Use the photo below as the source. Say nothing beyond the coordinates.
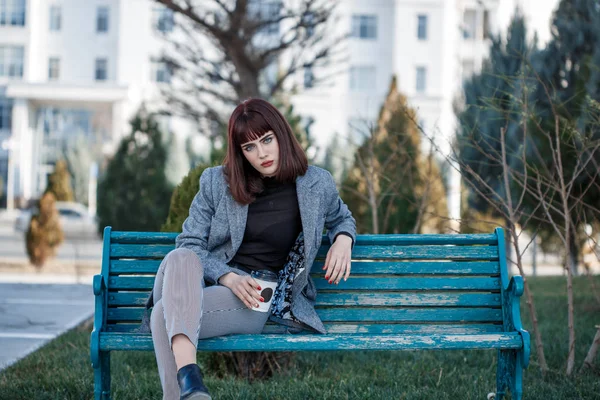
(134, 192)
(44, 234)
(388, 185)
(181, 199)
(59, 182)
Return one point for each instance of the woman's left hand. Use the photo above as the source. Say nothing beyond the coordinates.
(338, 258)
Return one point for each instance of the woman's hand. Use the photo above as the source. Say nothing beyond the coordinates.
(338, 258)
(244, 287)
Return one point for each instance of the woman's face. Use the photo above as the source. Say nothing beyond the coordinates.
(263, 153)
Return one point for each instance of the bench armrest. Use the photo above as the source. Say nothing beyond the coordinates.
(512, 314)
(99, 287)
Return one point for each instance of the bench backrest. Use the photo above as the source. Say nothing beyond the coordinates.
(400, 283)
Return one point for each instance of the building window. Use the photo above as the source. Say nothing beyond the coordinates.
(271, 11)
(308, 77)
(6, 106)
(309, 22)
(486, 24)
(53, 68)
(3, 174)
(102, 19)
(61, 127)
(161, 72)
(12, 12)
(362, 78)
(469, 24)
(101, 69)
(55, 18)
(364, 26)
(11, 61)
(266, 11)
(468, 67)
(163, 18)
(421, 79)
(422, 27)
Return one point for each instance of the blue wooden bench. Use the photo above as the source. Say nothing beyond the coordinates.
(405, 292)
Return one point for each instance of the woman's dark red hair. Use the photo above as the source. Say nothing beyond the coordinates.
(249, 121)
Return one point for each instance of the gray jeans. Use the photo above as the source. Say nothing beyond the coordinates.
(183, 305)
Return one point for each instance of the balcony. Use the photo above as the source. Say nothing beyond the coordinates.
(53, 92)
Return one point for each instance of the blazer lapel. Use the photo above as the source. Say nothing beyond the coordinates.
(237, 215)
(308, 202)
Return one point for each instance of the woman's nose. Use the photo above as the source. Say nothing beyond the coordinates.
(261, 152)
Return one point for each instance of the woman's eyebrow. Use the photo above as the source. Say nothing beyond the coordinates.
(261, 139)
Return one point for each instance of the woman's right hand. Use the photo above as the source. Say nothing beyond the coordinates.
(244, 287)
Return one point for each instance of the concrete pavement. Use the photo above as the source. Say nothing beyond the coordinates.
(36, 306)
(33, 314)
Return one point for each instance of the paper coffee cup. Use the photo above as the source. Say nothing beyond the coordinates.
(267, 280)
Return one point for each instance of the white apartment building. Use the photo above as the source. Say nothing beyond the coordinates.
(72, 68)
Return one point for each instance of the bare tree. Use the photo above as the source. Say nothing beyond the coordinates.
(224, 51)
(551, 187)
(516, 218)
(554, 187)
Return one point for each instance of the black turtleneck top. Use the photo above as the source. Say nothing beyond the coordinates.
(272, 227)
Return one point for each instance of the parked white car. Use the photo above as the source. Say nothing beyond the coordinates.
(75, 220)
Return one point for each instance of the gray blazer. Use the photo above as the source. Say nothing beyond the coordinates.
(216, 224)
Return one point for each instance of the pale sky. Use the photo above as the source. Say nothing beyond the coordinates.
(538, 14)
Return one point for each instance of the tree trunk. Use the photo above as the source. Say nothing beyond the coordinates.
(373, 206)
(508, 246)
(589, 359)
(534, 256)
(573, 253)
(530, 304)
(570, 266)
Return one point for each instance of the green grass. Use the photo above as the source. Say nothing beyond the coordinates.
(62, 369)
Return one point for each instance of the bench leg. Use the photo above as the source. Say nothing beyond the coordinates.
(509, 374)
(102, 377)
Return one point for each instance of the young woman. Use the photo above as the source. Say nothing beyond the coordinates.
(252, 213)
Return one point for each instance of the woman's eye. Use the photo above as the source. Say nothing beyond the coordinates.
(247, 148)
(269, 139)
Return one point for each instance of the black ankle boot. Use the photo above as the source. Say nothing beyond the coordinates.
(190, 383)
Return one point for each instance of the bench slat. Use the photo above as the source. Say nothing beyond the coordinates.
(411, 314)
(368, 239)
(353, 283)
(408, 299)
(315, 342)
(420, 267)
(410, 283)
(460, 329)
(366, 314)
(118, 267)
(419, 252)
(125, 267)
(137, 299)
(359, 252)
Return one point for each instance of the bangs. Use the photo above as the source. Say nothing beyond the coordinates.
(248, 127)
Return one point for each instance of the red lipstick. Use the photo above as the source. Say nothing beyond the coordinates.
(267, 163)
